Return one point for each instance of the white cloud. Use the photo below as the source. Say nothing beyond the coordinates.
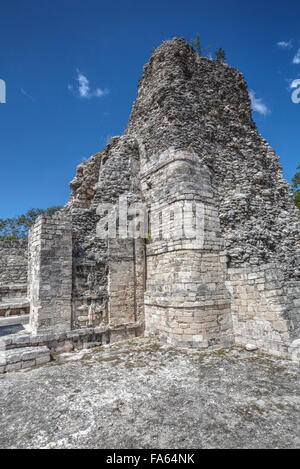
(83, 88)
(98, 92)
(84, 85)
(285, 44)
(258, 104)
(296, 59)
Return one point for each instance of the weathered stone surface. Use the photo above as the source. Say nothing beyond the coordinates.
(191, 137)
(65, 341)
(143, 394)
(50, 274)
(14, 307)
(13, 278)
(251, 347)
(203, 106)
(23, 357)
(191, 140)
(13, 264)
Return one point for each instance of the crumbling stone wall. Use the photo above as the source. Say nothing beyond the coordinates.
(265, 306)
(108, 283)
(13, 268)
(197, 105)
(190, 139)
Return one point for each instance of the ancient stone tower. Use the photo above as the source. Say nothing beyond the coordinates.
(190, 143)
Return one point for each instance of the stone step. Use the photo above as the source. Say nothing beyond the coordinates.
(14, 306)
(24, 357)
(12, 320)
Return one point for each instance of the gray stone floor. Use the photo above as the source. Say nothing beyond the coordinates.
(144, 394)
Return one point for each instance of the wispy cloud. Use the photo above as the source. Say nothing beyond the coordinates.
(285, 44)
(296, 59)
(83, 88)
(258, 105)
(83, 85)
(24, 93)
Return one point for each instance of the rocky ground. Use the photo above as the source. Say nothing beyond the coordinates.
(145, 394)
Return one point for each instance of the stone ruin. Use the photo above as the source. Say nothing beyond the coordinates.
(190, 139)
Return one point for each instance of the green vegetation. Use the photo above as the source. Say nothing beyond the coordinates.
(297, 199)
(17, 227)
(196, 44)
(296, 178)
(220, 55)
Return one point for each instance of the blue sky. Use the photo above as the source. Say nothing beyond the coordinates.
(71, 69)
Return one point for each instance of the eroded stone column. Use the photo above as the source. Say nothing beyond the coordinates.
(50, 274)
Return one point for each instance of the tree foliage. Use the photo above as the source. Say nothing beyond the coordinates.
(17, 227)
(296, 178)
(297, 199)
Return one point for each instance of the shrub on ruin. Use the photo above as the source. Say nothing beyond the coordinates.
(197, 46)
(220, 55)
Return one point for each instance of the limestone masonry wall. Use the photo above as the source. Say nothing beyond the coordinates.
(50, 274)
(186, 300)
(108, 282)
(13, 268)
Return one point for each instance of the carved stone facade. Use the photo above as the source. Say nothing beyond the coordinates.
(191, 154)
